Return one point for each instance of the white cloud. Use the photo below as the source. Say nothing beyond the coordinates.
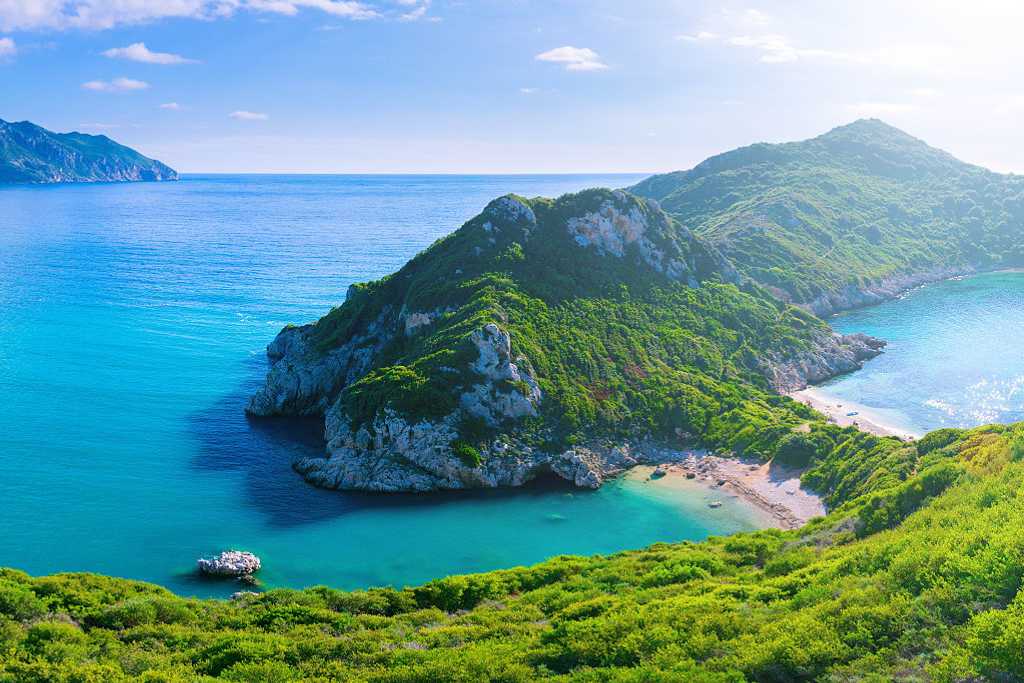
(7, 48)
(104, 14)
(777, 49)
(116, 85)
(574, 58)
(416, 10)
(349, 9)
(243, 115)
(171, 106)
(528, 91)
(138, 52)
(699, 37)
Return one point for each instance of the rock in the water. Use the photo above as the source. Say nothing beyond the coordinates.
(234, 563)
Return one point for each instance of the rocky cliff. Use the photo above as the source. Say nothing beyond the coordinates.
(31, 154)
(573, 337)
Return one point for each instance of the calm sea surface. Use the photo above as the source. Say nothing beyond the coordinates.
(955, 356)
(133, 322)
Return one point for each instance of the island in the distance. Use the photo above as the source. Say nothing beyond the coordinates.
(583, 335)
(32, 154)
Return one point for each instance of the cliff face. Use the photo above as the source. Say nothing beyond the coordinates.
(31, 154)
(572, 337)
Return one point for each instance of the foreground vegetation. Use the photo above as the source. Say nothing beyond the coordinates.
(915, 575)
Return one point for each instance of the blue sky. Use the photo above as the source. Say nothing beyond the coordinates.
(507, 85)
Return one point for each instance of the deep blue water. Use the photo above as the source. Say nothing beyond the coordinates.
(954, 359)
(133, 322)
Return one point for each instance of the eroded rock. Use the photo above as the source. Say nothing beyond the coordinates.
(233, 563)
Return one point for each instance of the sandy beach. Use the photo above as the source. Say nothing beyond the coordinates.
(839, 411)
(773, 490)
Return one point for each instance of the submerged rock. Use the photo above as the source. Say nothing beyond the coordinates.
(234, 563)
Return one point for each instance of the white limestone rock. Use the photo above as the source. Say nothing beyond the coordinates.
(303, 381)
(233, 563)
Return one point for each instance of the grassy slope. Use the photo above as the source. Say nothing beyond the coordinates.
(916, 578)
(860, 203)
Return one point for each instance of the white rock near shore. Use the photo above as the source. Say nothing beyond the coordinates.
(234, 563)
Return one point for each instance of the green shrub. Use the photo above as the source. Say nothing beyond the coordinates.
(467, 453)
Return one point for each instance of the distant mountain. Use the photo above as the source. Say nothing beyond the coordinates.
(850, 217)
(32, 154)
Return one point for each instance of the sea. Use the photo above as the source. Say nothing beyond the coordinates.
(133, 325)
(954, 356)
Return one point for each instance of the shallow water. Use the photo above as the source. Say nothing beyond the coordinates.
(133, 327)
(954, 359)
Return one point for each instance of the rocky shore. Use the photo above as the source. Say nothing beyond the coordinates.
(392, 454)
(830, 354)
(890, 287)
(773, 489)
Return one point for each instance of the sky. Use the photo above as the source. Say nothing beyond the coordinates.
(508, 86)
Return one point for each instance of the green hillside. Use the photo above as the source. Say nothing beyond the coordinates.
(850, 216)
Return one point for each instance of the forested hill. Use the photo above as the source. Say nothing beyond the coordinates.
(849, 217)
(32, 154)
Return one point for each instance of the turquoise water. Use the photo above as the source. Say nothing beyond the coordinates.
(133, 327)
(954, 358)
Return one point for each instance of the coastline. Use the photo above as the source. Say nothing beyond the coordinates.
(838, 410)
(774, 491)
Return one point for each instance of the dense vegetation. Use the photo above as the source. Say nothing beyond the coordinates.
(856, 205)
(619, 349)
(915, 575)
(31, 154)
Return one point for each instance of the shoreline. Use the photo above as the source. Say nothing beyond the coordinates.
(864, 418)
(774, 491)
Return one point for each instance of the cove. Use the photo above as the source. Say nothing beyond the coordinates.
(954, 357)
(135, 319)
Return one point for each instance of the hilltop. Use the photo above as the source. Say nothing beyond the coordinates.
(32, 154)
(849, 218)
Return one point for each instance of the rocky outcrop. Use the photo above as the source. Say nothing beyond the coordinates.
(624, 222)
(304, 381)
(508, 390)
(830, 354)
(233, 563)
(854, 296)
(392, 455)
